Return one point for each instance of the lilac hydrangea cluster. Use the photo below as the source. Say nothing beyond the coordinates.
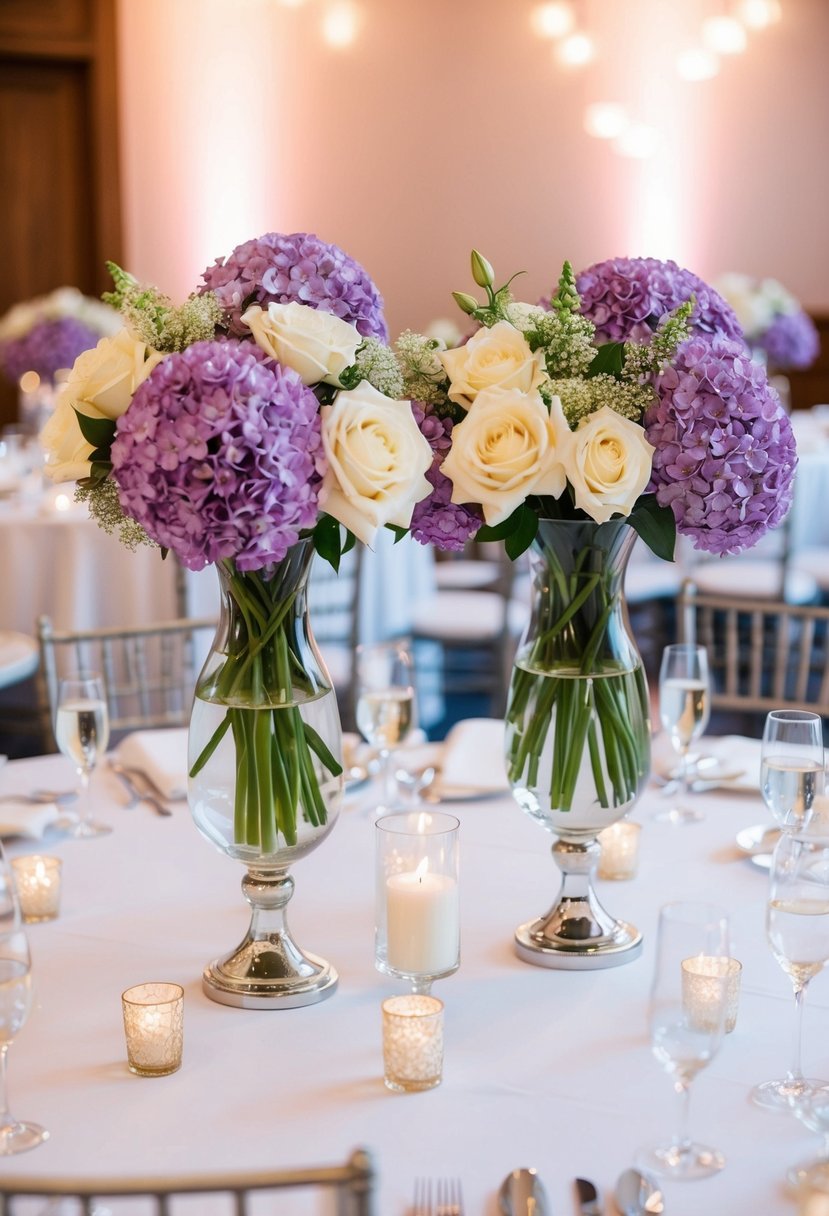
(49, 346)
(626, 297)
(220, 456)
(297, 267)
(436, 520)
(791, 341)
(725, 454)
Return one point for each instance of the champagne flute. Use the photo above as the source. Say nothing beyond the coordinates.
(791, 765)
(385, 705)
(15, 1004)
(797, 927)
(686, 1015)
(82, 734)
(684, 710)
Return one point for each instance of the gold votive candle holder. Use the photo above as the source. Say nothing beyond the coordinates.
(154, 1028)
(707, 982)
(619, 857)
(37, 879)
(412, 1042)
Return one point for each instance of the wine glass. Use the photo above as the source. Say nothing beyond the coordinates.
(797, 927)
(684, 710)
(812, 1108)
(15, 1003)
(791, 765)
(385, 706)
(82, 734)
(687, 1016)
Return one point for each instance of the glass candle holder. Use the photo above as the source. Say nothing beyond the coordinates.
(37, 879)
(619, 858)
(154, 1028)
(417, 924)
(412, 1042)
(703, 980)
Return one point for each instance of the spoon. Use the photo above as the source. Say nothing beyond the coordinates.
(522, 1194)
(638, 1195)
(414, 783)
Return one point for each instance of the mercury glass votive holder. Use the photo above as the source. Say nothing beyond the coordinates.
(154, 1028)
(412, 1042)
(619, 857)
(37, 879)
(707, 982)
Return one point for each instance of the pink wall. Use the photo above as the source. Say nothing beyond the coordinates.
(448, 125)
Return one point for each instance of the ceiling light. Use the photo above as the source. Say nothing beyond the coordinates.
(697, 64)
(724, 35)
(638, 141)
(757, 14)
(576, 50)
(552, 20)
(605, 119)
(340, 24)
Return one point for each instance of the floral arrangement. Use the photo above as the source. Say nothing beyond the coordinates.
(262, 413)
(45, 335)
(774, 324)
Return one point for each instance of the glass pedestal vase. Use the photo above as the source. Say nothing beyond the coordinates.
(578, 731)
(265, 761)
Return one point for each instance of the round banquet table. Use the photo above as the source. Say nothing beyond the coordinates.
(543, 1068)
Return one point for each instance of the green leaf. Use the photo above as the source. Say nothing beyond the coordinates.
(524, 535)
(351, 377)
(399, 532)
(349, 542)
(502, 530)
(327, 540)
(100, 432)
(608, 360)
(656, 525)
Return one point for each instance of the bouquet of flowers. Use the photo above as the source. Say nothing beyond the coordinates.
(773, 322)
(243, 428)
(45, 335)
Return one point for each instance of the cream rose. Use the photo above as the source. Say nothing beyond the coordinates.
(610, 464)
(67, 452)
(317, 345)
(377, 460)
(499, 357)
(507, 447)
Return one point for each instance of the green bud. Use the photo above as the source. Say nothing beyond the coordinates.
(465, 303)
(482, 272)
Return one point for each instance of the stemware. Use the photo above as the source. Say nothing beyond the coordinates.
(791, 765)
(797, 927)
(82, 734)
(684, 710)
(687, 1024)
(812, 1108)
(15, 1003)
(385, 706)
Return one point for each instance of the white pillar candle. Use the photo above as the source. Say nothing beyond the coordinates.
(423, 922)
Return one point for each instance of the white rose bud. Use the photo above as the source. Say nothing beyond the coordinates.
(499, 357)
(377, 460)
(610, 464)
(317, 345)
(507, 447)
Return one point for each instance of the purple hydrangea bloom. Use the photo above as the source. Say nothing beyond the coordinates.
(626, 297)
(791, 341)
(725, 454)
(219, 455)
(298, 267)
(436, 520)
(49, 346)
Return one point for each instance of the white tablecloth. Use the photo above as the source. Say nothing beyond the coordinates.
(550, 1069)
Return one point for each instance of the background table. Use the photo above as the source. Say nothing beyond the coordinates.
(544, 1068)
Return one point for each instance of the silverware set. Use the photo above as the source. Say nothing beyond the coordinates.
(441, 1197)
(140, 787)
(522, 1193)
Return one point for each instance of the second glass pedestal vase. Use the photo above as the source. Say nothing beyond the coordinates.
(265, 761)
(578, 731)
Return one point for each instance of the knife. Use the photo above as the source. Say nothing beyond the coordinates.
(588, 1198)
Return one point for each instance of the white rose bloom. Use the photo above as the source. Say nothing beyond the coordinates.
(499, 357)
(610, 465)
(507, 447)
(317, 345)
(67, 452)
(524, 316)
(377, 460)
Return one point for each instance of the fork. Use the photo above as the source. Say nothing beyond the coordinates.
(443, 1198)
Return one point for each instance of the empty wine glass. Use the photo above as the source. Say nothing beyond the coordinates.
(385, 706)
(687, 1016)
(82, 734)
(791, 765)
(797, 927)
(684, 710)
(15, 1003)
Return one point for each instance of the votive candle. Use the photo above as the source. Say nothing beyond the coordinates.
(619, 858)
(707, 982)
(37, 879)
(423, 922)
(412, 1042)
(154, 1028)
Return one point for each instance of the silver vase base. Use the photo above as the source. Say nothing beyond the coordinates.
(622, 945)
(229, 985)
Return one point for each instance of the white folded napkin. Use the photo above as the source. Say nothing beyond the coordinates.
(27, 818)
(162, 754)
(473, 755)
